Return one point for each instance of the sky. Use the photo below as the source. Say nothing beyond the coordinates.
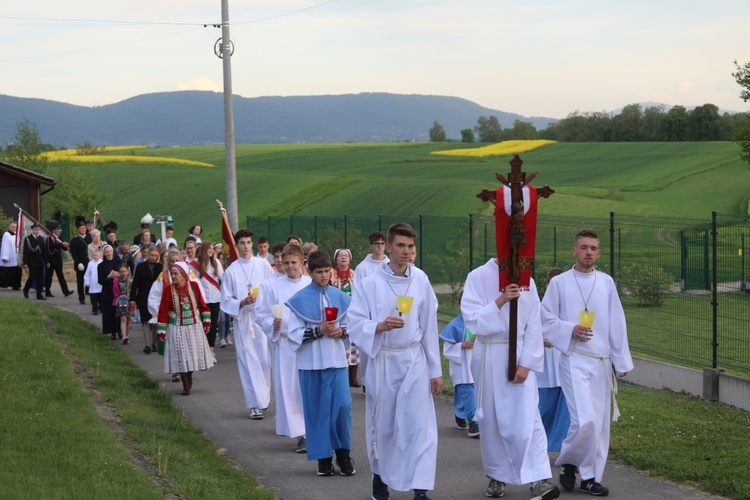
(535, 58)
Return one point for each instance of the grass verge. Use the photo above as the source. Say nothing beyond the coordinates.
(79, 420)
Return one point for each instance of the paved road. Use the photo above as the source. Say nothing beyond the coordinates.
(217, 407)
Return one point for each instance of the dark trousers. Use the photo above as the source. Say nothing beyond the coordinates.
(211, 335)
(96, 302)
(60, 278)
(35, 279)
(81, 288)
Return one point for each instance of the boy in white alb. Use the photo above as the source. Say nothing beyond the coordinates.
(273, 317)
(239, 292)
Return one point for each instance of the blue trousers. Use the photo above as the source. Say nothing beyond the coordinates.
(327, 404)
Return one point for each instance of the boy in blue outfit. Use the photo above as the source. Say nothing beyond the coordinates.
(317, 334)
(458, 346)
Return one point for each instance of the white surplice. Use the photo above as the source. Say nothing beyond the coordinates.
(401, 428)
(586, 373)
(290, 417)
(513, 444)
(251, 344)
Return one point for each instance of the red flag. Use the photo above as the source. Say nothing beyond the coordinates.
(227, 237)
(502, 235)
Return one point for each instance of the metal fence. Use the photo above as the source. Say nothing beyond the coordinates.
(683, 281)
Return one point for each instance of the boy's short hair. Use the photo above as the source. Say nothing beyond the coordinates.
(317, 260)
(400, 229)
(555, 271)
(261, 240)
(293, 237)
(278, 248)
(243, 233)
(189, 239)
(309, 247)
(291, 249)
(586, 233)
(376, 236)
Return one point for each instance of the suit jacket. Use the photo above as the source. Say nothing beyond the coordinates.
(142, 281)
(79, 250)
(33, 251)
(53, 248)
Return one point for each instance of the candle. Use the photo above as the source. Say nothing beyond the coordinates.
(277, 310)
(404, 303)
(254, 292)
(331, 313)
(587, 319)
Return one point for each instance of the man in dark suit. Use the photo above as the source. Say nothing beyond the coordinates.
(53, 249)
(33, 260)
(79, 252)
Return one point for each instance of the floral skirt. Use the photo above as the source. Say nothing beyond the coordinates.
(352, 355)
(186, 349)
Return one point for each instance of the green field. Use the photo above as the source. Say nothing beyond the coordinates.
(405, 180)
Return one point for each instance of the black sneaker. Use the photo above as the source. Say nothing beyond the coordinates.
(594, 488)
(346, 466)
(461, 423)
(379, 488)
(325, 467)
(568, 476)
(474, 431)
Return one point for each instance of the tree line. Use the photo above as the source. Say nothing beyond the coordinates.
(632, 124)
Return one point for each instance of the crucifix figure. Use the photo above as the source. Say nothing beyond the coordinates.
(515, 233)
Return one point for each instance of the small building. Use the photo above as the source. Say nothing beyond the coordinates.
(24, 188)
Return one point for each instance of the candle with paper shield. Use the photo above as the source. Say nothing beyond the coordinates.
(331, 313)
(277, 310)
(587, 319)
(254, 292)
(404, 303)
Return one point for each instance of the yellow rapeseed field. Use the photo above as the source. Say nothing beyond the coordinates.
(72, 155)
(501, 148)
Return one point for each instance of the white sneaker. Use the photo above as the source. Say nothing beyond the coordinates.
(256, 414)
(213, 354)
(223, 343)
(229, 341)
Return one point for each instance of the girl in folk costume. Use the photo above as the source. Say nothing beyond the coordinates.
(121, 300)
(342, 277)
(183, 321)
(210, 272)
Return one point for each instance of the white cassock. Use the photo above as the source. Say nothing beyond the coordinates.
(401, 428)
(585, 368)
(276, 290)
(513, 444)
(364, 269)
(251, 345)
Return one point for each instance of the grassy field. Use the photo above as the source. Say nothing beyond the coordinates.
(78, 419)
(405, 179)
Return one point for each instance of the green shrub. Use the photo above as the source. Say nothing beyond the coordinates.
(647, 282)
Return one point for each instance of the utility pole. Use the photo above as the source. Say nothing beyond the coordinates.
(231, 166)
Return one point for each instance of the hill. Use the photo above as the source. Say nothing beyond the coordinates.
(404, 180)
(195, 118)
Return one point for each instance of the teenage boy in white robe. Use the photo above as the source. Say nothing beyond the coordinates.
(403, 372)
(238, 299)
(320, 343)
(513, 444)
(588, 354)
(274, 292)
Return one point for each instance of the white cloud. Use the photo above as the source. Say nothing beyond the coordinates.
(201, 83)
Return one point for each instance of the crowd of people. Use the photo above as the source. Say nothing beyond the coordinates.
(308, 327)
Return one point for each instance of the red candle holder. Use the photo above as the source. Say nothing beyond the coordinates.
(332, 313)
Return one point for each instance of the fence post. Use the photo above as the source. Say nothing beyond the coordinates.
(380, 223)
(714, 294)
(554, 246)
(743, 284)
(291, 224)
(421, 240)
(315, 229)
(612, 244)
(346, 231)
(471, 242)
(270, 238)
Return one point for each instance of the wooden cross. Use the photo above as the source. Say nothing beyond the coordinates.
(516, 181)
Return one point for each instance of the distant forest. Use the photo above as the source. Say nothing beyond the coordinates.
(632, 124)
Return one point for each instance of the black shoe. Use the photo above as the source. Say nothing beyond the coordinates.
(153, 347)
(379, 488)
(594, 488)
(346, 466)
(354, 383)
(147, 350)
(82, 302)
(95, 313)
(325, 467)
(186, 392)
(41, 297)
(49, 295)
(26, 293)
(461, 423)
(113, 336)
(68, 293)
(420, 495)
(568, 476)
